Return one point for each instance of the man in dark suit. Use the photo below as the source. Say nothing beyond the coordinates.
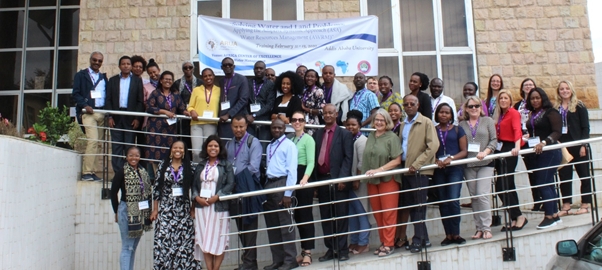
(334, 155)
(124, 93)
(234, 97)
(89, 92)
(262, 96)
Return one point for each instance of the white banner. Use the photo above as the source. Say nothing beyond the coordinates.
(350, 45)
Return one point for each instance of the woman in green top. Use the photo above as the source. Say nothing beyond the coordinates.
(383, 146)
(306, 147)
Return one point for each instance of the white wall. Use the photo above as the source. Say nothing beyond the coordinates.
(37, 205)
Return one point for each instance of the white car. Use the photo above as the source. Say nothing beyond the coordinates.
(587, 254)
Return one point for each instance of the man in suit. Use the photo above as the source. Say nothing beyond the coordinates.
(262, 97)
(334, 155)
(234, 97)
(89, 92)
(124, 93)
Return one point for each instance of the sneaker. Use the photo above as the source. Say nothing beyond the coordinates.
(446, 242)
(459, 241)
(87, 177)
(557, 219)
(96, 178)
(546, 223)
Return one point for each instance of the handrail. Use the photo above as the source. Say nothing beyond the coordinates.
(402, 171)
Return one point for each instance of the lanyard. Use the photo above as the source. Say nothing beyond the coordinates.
(141, 183)
(307, 93)
(437, 104)
(256, 89)
(492, 105)
(358, 97)
(563, 113)
(169, 101)
(176, 175)
(208, 98)
(95, 82)
(358, 135)
(396, 125)
(499, 122)
(293, 139)
(444, 138)
(244, 138)
(208, 168)
(270, 152)
(473, 131)
(387, 96)
(228, 86)
(188, 87)
(328, 93)
(154, 83)
(533, 121)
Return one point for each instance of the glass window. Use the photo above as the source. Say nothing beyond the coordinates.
(12, 29)
(11, 3)
(382, 9)
(426, 64)
(457, 71)
(246, 9)
(32, 104)
(69, 27)
(40, 32)
(455, 32)
(11, 70)
(38, 69)
(42, 3)
(389, 66)
(417, 25)
(8, 107)
(284, 10)
(64, 100)
(210, 8)
(70, 2)
(67, 67)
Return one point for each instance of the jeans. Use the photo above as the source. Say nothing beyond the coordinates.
(452, 176)
(359, 222)
(128, 245)
(546, 178)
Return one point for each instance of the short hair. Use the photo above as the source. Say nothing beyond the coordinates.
(205, 69)
(124, 57)
(152, 63)
(439, 107)
(301, 66)
(96, 52)
(296, 82)
(238, 117)
(545, 101)
(522, 94)
(167, 72)
(133, 147)
(139, 59)
(259, 62)
(355, 114)
(386, 78)
(424, 80)
(476, 87)
(318, 84)
(385, 114)
(394, 103)
(465, 115)
(187, 62)
(225, 58)
(223, 154)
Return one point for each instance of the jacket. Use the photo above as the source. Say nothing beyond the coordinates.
(82, 84)
(422, 144)
(135, 98)
(225, 183)
(247, 182)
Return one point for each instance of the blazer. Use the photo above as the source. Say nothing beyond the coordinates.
(422, 144)
(135, 98)
(82, 84)
(225, 183)
(238, 95)
(577, 124)
(266, 97)
(341, 153)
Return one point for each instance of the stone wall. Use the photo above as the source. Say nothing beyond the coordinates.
(158, 29)
(546, 40)
(327, 9)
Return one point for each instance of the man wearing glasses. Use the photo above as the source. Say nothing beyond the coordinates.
(270, 74)
(234, 97)
(419, 143)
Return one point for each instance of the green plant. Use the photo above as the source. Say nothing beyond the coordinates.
(77, 138)
(52, 124)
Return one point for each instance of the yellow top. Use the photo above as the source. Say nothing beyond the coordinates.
(198, 103)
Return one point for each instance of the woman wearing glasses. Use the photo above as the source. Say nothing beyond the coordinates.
(306, 147)
(481, 142)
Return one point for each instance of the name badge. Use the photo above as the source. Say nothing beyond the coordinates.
(255, 107)
(207, 114)
(499, 146)
(565, 130)
(176, 192)
(95, 94)
(234, 169)
(171, 121)
(225, 105)
(474, 147)
(143, 205)
(533, 141)
(205, 193)
(443, 158)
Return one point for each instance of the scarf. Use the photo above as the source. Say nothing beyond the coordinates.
(136, 217)
(183, 82)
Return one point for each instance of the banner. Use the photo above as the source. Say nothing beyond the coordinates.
(350, 44)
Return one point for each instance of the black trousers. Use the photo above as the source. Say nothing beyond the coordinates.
(416, 197)
(305, 197)
(566, 173)
(504, 185)
(327, 194)
(248, 239)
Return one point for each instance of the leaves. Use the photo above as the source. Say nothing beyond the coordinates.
(52, 124)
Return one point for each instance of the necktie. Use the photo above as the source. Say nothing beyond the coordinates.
(323, 149)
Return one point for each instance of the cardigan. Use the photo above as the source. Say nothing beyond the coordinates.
(577, 124)
(547, 126)
(225, 183)
(358, 153)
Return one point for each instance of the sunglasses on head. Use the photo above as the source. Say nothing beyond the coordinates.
(473, 106)
(295, 120)
(187, 68)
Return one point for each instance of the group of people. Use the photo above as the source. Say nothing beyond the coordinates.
(182, 193)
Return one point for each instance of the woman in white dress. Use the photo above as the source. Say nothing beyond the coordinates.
(214, 177)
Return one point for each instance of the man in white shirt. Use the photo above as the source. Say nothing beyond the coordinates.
(437, 98)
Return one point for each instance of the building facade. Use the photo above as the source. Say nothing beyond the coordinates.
(456, 40)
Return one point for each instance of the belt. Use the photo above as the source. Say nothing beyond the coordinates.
(275, 178)
(123, 109)
(99, 108)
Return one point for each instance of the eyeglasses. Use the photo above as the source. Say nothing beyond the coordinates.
(96, 60)
(473, 106)
(379, 120)
(270, 75)
(227, 65)
(187, 68)
(295, 120)
(409, 104)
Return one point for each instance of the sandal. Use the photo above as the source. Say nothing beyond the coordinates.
(352, 247)
(477, 235)
(584, 209)
(360, 249)
(379, 249)
(400, 243)
(386, 251)
(305, 255)
(563, 213)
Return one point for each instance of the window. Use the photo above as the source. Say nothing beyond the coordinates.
(434, 37)
(38, 53)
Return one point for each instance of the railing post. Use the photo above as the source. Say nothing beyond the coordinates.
(508, 252)
(423, 263)
(594, 205)
(105, 191)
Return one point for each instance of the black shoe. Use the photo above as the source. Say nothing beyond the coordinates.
(546, 223)
(557, 219)
(459, 240)
(427, 243)
(327, 257)
(288, 266)
(343, 257)
(415, 248)
(516, 228)
(273, 266)
(446, 242)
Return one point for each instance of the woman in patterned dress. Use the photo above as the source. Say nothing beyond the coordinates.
(313, 99)
(174, 229)
(214, 177)
(161, 130)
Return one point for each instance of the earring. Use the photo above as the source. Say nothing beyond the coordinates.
(170, 155)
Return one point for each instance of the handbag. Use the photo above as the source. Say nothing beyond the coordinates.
(566, 157)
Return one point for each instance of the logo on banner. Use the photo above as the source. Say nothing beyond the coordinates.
(364, 66)
(211, 44)
(343, 65)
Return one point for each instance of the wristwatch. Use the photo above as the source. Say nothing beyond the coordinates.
(452, 157)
